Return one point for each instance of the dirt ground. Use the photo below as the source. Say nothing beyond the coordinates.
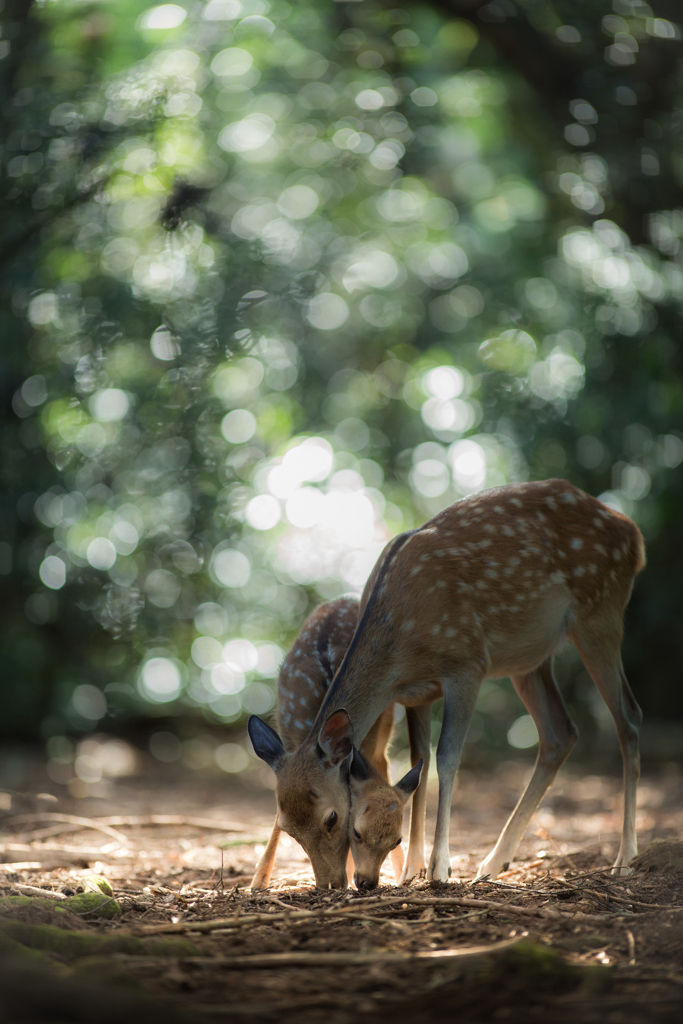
(557, 936)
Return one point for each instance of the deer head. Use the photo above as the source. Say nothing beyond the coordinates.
(376, 824)
(313, 796)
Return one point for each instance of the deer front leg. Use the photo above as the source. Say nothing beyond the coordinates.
(459, 697)
(264, 868)
(419, 720)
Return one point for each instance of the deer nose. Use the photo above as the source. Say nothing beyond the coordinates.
(365, 884)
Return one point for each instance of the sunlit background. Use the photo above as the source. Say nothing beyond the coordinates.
(296, 276)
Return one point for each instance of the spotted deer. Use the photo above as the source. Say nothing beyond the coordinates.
(491, 586)
(370, 819)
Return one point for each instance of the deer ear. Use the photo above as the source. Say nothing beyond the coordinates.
(410, 781)
(359, 769)
(335, 739)
(267, 743)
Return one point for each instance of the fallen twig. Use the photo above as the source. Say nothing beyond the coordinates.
(11, 854)
(174, 819)
(629, 902)
(32, 890)
(69, 819)
(341, 959)
(631, 947)
(354, 908)
(29, 865)
(466, 901)
(141, 821)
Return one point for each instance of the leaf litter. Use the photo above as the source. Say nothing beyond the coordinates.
(557, 934)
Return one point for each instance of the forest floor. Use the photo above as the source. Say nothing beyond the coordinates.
(183, 938)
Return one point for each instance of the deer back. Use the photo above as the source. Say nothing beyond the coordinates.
(309, 668)
(492, 585)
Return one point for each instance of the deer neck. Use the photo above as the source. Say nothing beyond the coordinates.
(364, 686)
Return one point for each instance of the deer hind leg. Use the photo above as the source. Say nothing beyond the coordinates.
(264, 868)
(419, 721)
(557, 735)
(603, 661)
(459, 698)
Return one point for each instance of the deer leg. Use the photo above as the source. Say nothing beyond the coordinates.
(607, 673)
(459, 698)
(350, 867)
(419, 721)
(397, 863)
(264, 868)
(557, 735)
(374, 746)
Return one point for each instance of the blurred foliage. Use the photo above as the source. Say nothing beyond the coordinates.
(282, 279)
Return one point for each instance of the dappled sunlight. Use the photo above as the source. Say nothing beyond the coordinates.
(300, 288)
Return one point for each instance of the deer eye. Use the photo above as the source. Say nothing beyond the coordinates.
(356, 834)
(331, 821)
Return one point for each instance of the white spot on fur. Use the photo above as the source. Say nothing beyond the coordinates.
(579, 571)
(557, 577)
(577, 543)
(616, 555)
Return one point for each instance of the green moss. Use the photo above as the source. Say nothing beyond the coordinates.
(539, 963)
(97, 883)
(8, 904)
(544, 967)
(171, 946)
(72, 945)
(84, 903)
(10, 947)
(94, 903)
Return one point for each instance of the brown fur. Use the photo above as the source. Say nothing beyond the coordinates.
(491, 586)
(304, 678)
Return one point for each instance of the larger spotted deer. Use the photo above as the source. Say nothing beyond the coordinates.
(372, 824)
(491, 586)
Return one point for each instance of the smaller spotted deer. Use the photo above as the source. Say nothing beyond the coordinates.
(374, 824)
(493, 585)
